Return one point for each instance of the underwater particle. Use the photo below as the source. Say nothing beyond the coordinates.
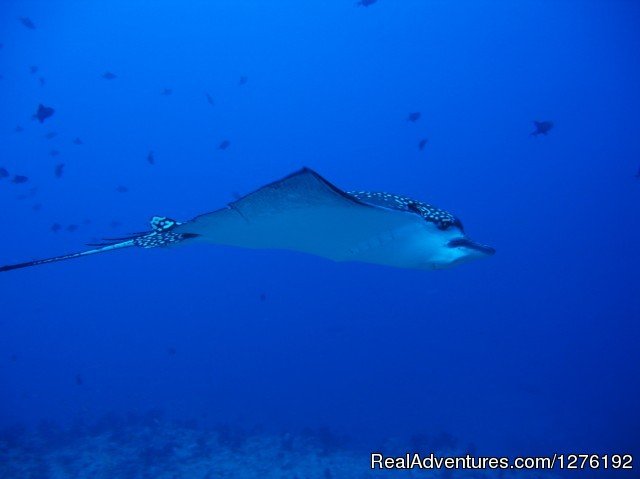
(542, 127)
(79, 380)
(20, 179)
(54, 153)
(72, 228)
(33, 69)
(18, 129)
(122, 189)
(243, 80)
(55, 227)
(77, 141)
(151, 158)
(224, 144)
(422, 144)
(4, 173)
(43, 112)
(413, 116)
(59, 169)
(209, 98)
(27, 22)
(365, 3)
(109, 76)
(166, 91)
(50, 135)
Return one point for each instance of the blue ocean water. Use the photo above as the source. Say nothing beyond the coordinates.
(531, 351)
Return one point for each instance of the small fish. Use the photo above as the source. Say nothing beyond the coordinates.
(42, 81)
(72, 228)
(365, 3)
(209, 99)
(18, 129)
(638, 173)
(59, 169)
(33, 69)
(224, 144)
(37, 207)
(109, 76)
(29, 194)
(422, 144)
(151, 159)
(55, 227)
(77, 141)
(43, 113)
(122, 189)
(79, 380)
(263, 297)
(413, 116)
(50, 135)
(54, 153)
(4, 173)
(542, 127)
(20, 179)
(86, 221)
(115, 223)
(166, 91)
(27, 22)
(171, 351)
(243, 80)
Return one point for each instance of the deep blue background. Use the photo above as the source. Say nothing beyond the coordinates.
(535, 349)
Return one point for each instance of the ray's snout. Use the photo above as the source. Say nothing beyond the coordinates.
(472, 245)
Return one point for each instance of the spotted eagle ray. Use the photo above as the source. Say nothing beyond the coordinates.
(304, 212)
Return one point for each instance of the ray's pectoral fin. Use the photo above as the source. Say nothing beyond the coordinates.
(160, 235)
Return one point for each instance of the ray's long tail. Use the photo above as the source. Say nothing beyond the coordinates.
(161, 235)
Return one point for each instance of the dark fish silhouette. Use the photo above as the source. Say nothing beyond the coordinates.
(18, 129)
(33, 69)
(263, 297)
(171, 351)
(542, 127)
(27, 22)
(42, 81)
(37, 207)
(77, 141)
(109, 76)
(151, 159)
(54, 153)
(29, 194)
(55, 227)
(422, 144)
(59, 169)
(638, 173)
(122, 189)
(72, 228)
(43, 112)
(19, 179)
(414, 116)
(224, 144)
(243, 80)
(4, 173)
(79, 380)
(166, 91)
(209, 98)
(50, 135)
(365, 3)
(115, 223)
(86, 221)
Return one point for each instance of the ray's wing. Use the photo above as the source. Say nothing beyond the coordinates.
(301, 212)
